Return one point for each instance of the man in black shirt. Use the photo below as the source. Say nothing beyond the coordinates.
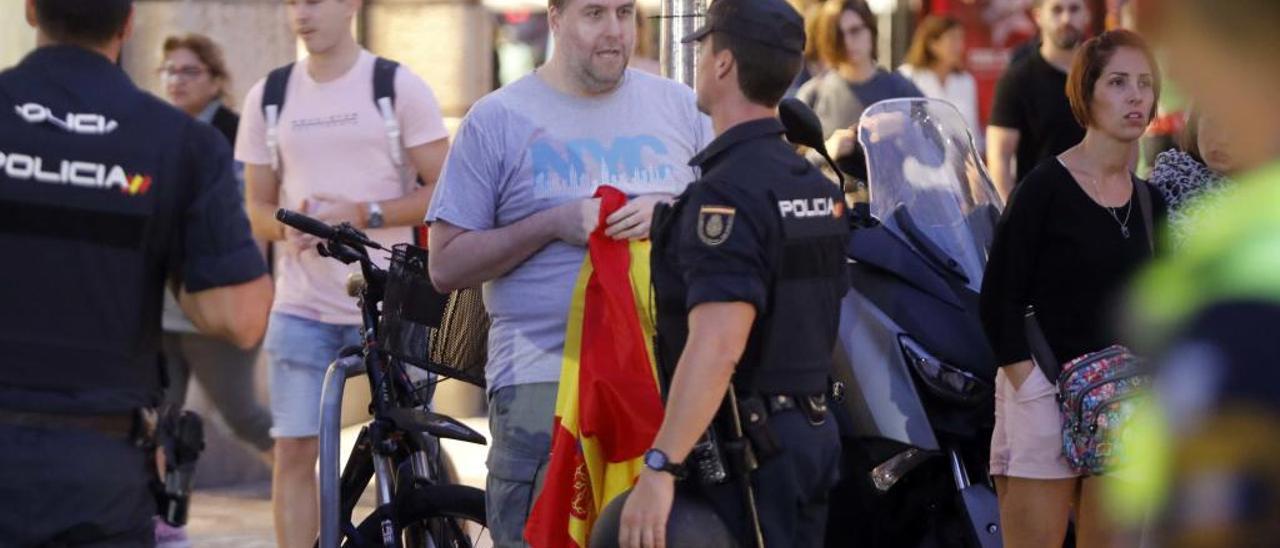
(1031, 118)
(107, 197)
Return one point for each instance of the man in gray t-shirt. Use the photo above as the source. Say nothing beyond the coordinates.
(513, 210)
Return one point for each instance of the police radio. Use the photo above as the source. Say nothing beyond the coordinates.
(706, 461)
(180, 434)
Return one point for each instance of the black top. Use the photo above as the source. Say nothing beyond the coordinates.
(106, 193)
(227, 122)
(1057, 249)
(1031, 97)
(762, 227)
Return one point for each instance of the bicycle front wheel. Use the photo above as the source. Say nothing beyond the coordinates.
(431, 516)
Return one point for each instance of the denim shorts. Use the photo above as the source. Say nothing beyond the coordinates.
(299, 351)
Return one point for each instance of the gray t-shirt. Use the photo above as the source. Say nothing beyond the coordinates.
(839, 104)
(528, 147)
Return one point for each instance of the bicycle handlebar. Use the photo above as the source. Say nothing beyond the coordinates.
(342, 233)
(305, 224)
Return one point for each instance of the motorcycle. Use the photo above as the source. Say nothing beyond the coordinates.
(919, 376)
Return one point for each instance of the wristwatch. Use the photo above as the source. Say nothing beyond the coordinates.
(375, 216)
(658, 461)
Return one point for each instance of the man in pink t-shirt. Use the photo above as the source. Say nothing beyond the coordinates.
(337, 162)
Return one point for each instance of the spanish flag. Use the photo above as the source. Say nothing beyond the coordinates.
(608, 409)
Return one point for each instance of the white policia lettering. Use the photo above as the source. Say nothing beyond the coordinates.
(83, 124)
(804, 209)
(85, 174)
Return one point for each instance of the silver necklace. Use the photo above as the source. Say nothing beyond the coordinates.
(1124, 225)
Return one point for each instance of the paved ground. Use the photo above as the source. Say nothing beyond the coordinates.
(240, 516)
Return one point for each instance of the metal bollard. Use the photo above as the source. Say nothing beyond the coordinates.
(679, 18)
(331, 442)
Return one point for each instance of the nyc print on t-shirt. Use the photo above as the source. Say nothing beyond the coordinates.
(628, 162)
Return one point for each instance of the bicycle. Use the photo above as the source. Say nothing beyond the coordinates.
(442, 335)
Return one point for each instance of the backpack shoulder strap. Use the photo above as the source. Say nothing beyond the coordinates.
(384, 79)
(384, 96)
(277, 83)
(1144, 203)
(273, 95)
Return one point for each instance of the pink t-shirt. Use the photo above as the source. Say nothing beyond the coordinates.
(332, 140)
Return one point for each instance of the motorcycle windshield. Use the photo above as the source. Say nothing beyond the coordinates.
(928, 184)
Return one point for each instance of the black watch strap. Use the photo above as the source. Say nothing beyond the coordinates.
(657, 460)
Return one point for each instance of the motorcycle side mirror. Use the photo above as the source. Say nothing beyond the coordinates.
(804, 128)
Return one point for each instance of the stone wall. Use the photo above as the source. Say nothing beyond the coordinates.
(449, 43)
(254, 35)
(17, 38)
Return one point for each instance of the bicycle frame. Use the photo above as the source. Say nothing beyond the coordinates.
(401, 432)
(373, 445)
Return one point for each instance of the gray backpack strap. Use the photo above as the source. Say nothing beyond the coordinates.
(384, 96)
(273, 95)
(1144, 203)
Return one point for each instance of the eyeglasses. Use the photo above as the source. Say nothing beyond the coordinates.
(182, 73)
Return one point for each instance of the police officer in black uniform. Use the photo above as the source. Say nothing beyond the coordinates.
(748, 272)
(107, 197)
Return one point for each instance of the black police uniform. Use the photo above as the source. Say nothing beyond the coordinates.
(106, 193)
(762, 226)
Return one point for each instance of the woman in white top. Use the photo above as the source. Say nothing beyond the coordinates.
(935, 63)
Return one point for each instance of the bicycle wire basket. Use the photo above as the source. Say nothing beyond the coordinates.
(445, 334)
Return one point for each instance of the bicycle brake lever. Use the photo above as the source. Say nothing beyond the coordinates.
(340, 251)
(358, 236)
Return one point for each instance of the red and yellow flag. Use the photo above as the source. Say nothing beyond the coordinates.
(608, 409)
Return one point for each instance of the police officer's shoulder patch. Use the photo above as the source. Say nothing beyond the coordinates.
(715, 222)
